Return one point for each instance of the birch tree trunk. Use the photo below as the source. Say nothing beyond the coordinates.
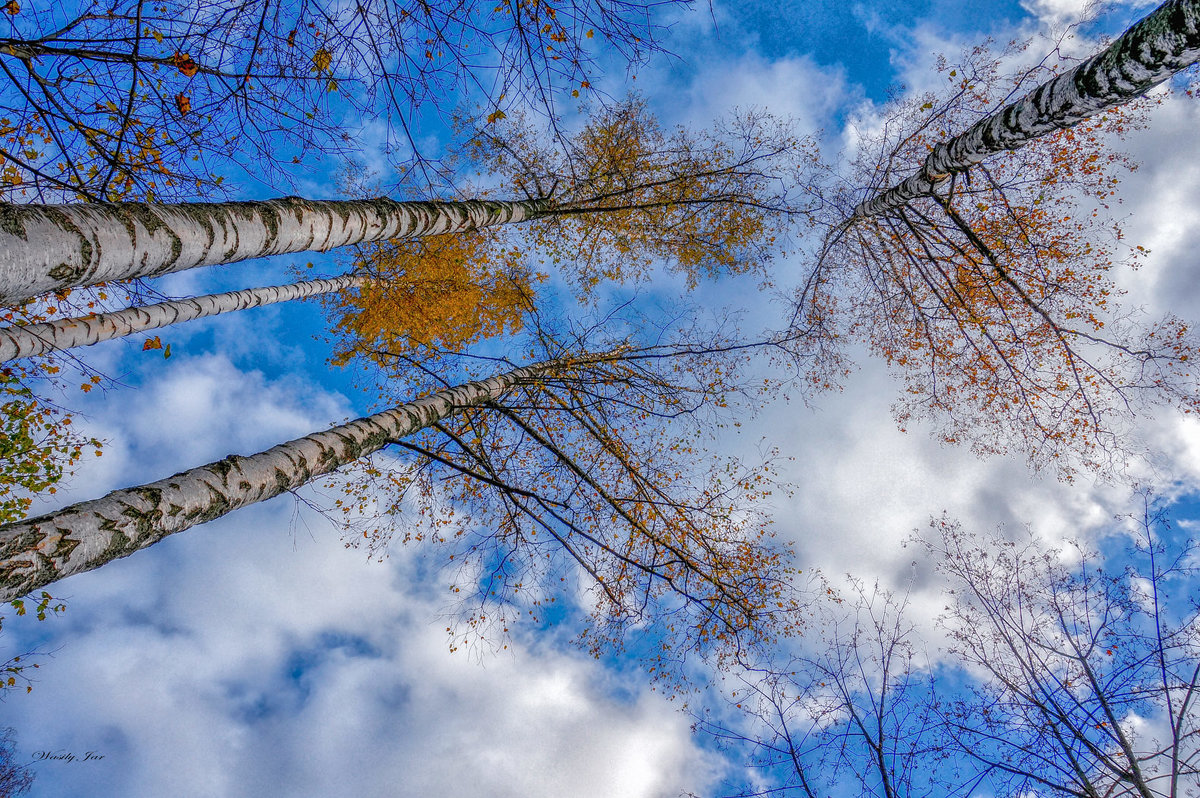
(50, 336)
(38, 551)
(53, 247)
(1147, 54)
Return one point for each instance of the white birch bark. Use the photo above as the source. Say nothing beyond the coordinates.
(38, 551)
(47, 248)
(1150, 52)
(45, 337)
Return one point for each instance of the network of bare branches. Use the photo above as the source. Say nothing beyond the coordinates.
(593, 484)
(1065, 672)
(15, 779)
(849, 702)
(159, 98)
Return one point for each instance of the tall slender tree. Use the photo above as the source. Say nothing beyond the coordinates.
(849, 702)
(443, 289)
(1163, 43)
(1066, 673)
(564, 463)
(977, 277)
(52, 336)
(39, 551)
(51, 248)
(1090, 674)
(697, 200)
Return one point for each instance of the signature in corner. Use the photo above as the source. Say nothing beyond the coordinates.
(66, 756)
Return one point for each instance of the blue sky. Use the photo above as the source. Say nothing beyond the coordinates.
(257, 655)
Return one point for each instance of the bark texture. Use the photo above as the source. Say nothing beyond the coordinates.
(47, 248)
(40, 339)
(38, 551)
(1147, 54)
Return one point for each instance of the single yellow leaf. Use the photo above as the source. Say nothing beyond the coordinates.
(321, 60)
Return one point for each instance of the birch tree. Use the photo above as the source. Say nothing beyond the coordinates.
(442, 289)
(52, 336)
(1091, 674)
(717, 193)
(850, 701)
(978, 278)
(1163, 43)
(558, 461)
(42, 550)
(52, 248)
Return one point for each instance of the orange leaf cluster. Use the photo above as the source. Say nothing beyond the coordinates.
(184, 63)
(445, 291)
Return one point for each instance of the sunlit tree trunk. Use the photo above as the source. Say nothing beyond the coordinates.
(47, 248)
(38, 551)
(46, 337)
(1147, 54)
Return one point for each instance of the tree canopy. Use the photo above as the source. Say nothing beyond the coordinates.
(168, 99)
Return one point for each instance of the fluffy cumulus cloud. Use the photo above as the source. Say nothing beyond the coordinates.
(863, 488)
(794, 86)
(1066, 12)
(262, 661)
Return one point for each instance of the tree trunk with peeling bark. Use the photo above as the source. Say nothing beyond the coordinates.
(1151, 51)
(39, 551)
(47, 248)
(45, 337)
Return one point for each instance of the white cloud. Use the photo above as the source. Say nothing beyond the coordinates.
(256, 655)
(1058, 13)
(794, 86)
(237, 661)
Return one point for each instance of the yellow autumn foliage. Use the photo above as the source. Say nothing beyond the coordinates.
(630, 195)
(445, 291)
